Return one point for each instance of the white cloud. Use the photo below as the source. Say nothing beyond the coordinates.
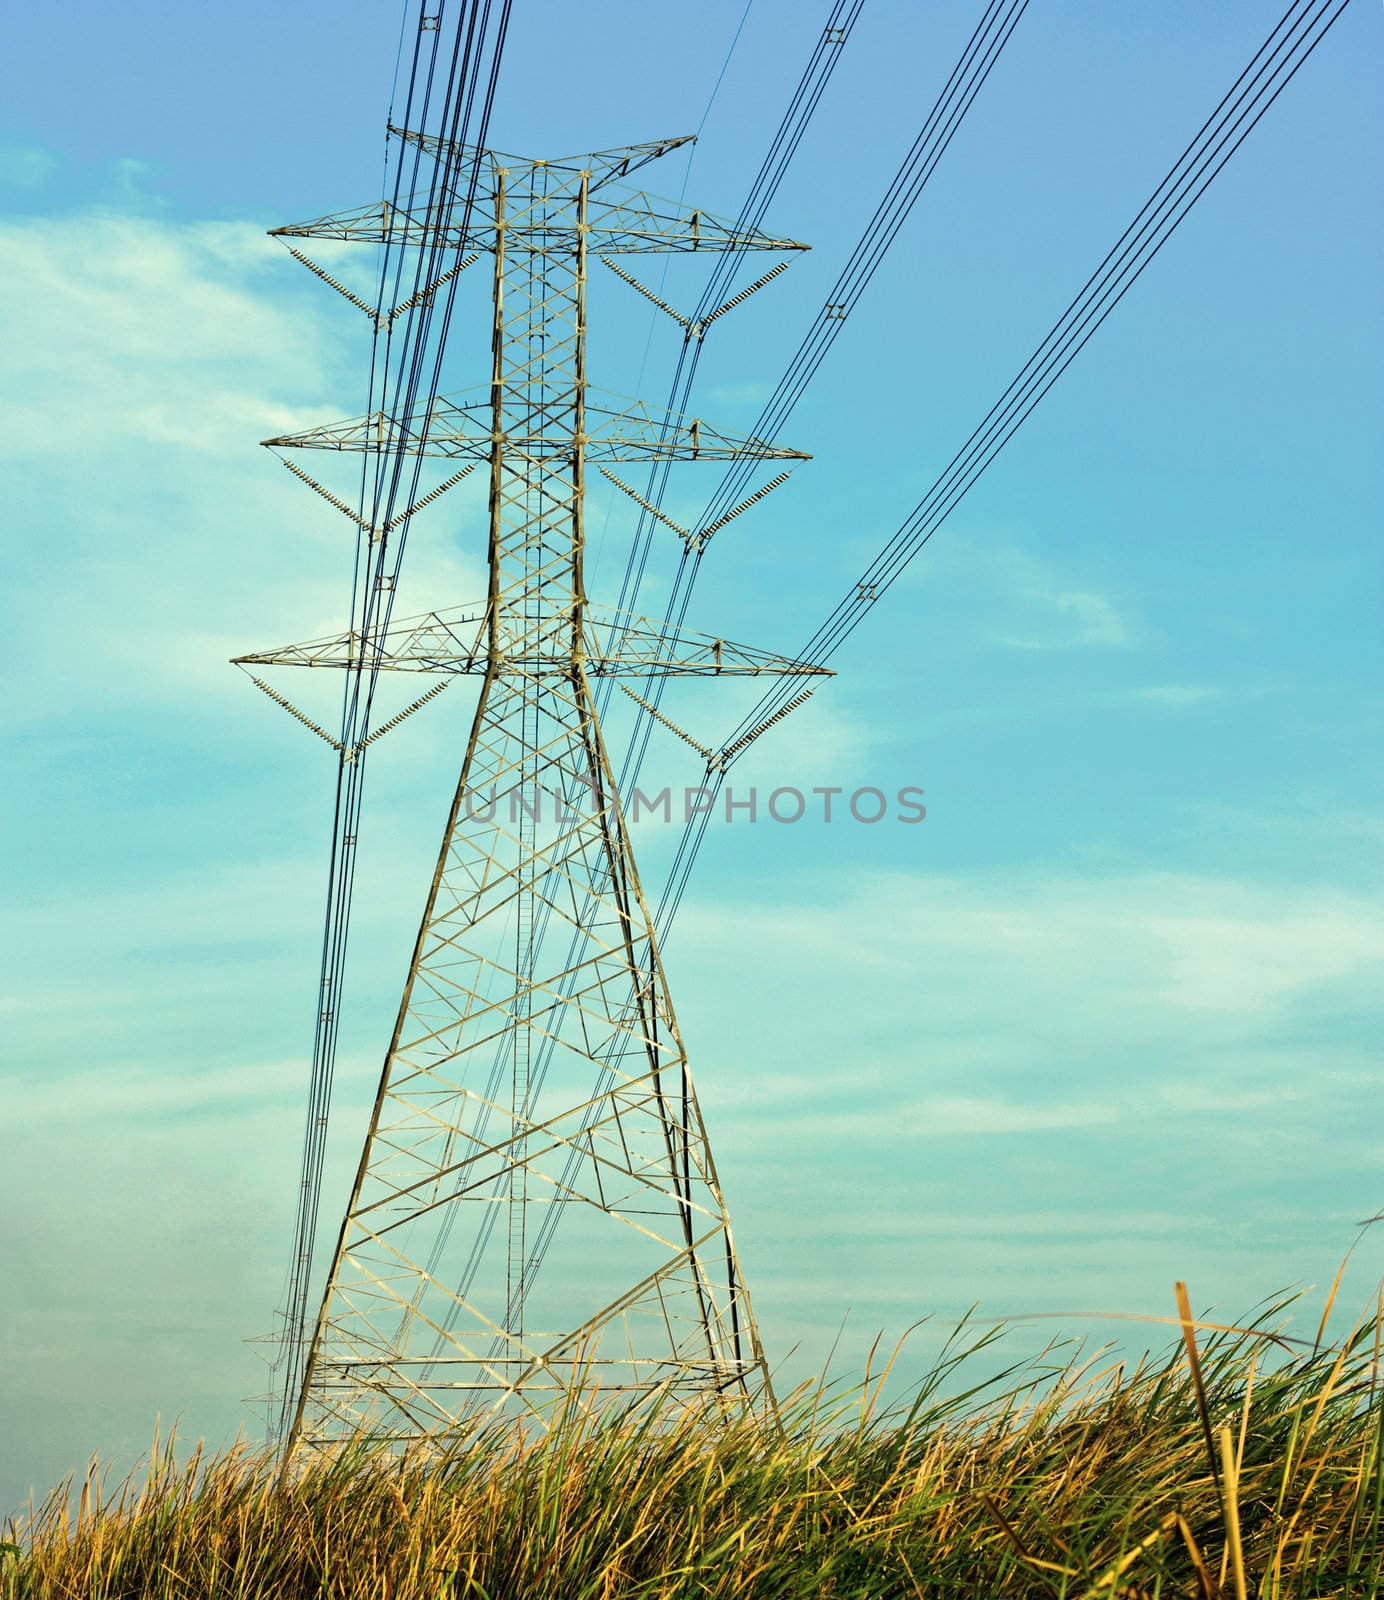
(945, 1115)
(1177, 695)
(1024, 602)
(738, 395)
(26, 166)
(1174, 992)
(147, 359)
(1076, 618)
(1248, 953)
(1094, 621)
(1212, 1099)
(119, 328)
(1193, 940)
(137, 1094)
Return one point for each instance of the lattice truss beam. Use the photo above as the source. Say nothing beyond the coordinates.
(467, 430)
(629, 223)
(614, 644)
(536, 1104)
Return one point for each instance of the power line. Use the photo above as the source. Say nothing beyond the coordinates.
(967, 77)
(958, 94)
(1273, 66)
(826, 53)
(377, 567)
(806, 96)
(725, 63)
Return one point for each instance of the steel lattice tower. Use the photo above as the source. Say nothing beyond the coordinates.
(536, 1087)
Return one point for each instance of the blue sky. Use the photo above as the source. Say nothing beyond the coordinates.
(1108, 1017)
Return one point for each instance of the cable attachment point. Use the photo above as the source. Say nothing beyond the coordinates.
(423, 297)
(697, 542)
(384, 320)
(320, 272)
(394, 721)
(648, 294)
(293, 711)
(732, 751)
(377, 533)
(739, 299)
(369, 739)
(327, 495)
(682, 533)
(708, 756)
(427, 499)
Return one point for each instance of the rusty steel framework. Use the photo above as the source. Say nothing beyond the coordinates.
(536, 1084)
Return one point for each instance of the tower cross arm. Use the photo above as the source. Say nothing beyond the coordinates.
(413, 221)
(452, 428)
(625, 222)
(615, 644)
(634, 223)
(598, 166)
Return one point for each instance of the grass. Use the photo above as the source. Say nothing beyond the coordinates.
(1242, 1464)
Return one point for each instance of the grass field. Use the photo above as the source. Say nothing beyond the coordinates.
(1242, 1464)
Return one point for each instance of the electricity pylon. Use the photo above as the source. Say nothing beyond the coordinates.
(536, 1087)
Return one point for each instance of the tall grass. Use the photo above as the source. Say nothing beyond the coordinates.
(1240, 1465)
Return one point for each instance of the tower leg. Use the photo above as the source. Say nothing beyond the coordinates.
(536, 1097)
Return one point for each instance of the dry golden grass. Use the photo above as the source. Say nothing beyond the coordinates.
(1242, 1465)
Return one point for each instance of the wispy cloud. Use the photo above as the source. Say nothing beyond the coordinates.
(1078, 618)
(151, 355)
(149, 331)
(1174, 939)
(138, 1095)
(1023, 601)
(945, 1116)
(26, 167)
(1176, 696)
(738, 395)
(923, 1007)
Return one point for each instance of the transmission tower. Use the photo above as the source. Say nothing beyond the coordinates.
(536, 1090)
